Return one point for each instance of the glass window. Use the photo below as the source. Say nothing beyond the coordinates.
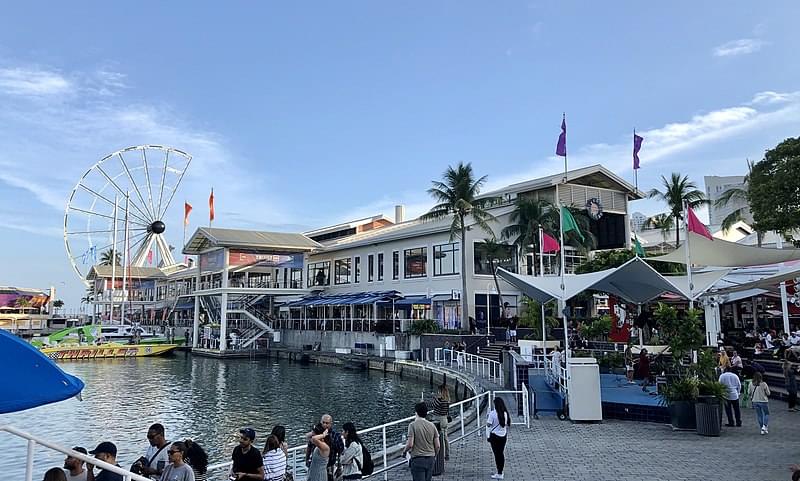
(446, 259)
(342, 271)
(396, 265)
(380, 266)
(370, 268)
(319, 274)
(507, 259)
(416, 262)
(357, 274)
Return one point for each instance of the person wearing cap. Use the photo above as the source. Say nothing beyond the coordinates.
(74, 466)
(247, 461)
(106, 452)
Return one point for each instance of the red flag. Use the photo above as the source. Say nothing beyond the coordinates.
(211, 205)
(187, 208)
(549, 244)
(150, 257)
(695, 225)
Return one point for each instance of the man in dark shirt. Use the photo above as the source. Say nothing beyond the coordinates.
(106, 452)
(247, 461)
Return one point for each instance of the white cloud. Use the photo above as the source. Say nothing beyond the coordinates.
(742, 46)
(32, 82)
(769, 97)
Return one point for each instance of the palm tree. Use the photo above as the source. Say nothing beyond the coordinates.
(107, 255)
(457, 197)
(737, 194)
(58, 304)
(662, 222)
(22, 303)
(677, 190)
(524, 222)
(494, 252)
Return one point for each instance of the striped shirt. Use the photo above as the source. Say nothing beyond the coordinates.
(274, 465)
(440, 407)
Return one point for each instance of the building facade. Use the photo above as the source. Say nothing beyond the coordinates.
(715, 187)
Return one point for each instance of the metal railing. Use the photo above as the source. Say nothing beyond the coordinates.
(34, 441)
(388, 456)
(464, 361)
(557, 377)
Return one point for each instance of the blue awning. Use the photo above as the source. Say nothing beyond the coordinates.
(409, 300)
(30, 378)
(184, 305)
(353, 298)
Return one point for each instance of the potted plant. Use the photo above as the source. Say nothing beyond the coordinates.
(708, 407)
(679, 396)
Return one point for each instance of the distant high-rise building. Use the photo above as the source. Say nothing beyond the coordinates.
(638, 221)
(716, 186)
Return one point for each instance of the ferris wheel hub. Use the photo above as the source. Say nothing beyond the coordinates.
(157, 227)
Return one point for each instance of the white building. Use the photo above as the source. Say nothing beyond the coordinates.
(715, 187)
(638, 221)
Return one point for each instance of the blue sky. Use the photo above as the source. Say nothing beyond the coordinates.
(306, 114)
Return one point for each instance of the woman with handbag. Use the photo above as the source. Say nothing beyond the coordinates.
(441, 410)
(353, 456)
(497, 424)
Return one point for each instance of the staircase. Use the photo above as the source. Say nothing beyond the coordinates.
(258, 320)
(492, 351)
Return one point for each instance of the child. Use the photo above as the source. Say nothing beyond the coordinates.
(759, 393)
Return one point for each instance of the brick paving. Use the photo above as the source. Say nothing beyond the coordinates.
(553, 450)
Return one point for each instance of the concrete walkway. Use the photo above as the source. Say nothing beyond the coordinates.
(555, 450)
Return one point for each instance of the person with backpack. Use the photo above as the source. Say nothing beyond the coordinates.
(355, 464)
(759, 392)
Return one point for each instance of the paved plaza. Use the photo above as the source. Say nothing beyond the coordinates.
(553, 450)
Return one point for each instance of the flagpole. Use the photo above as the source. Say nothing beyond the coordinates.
(563, 271)
(184, 224)
(114, 259)
(124, 262)
(541, 274)
(635, 170)
(688, 253)
(564, 119)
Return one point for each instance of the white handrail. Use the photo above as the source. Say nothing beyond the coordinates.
(389, 450)
(471, 363)
(34, 440)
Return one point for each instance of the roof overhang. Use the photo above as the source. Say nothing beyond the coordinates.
(205, 239)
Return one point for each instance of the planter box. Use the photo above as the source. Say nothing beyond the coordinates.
(708, 415)
(682, 415)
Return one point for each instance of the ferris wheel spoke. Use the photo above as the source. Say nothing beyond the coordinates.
(138, 248)
(110, 202)
(111, 217)
(175, 188)
(136, 186)
(122, 192)
(107, 231)
(147, 177)
(163, 180)
(110, 245)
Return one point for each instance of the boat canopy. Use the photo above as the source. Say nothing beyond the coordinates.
(30, 378)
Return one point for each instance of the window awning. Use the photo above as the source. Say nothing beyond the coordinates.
(184, 305)
(410, 300)
(353, 298)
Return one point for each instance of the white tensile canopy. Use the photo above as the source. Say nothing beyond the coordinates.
(635, 281)
(722, 253)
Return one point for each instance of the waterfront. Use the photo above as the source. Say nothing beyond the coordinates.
(205, 399)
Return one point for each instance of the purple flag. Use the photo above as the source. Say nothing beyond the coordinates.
(637, 144)
(561, 147)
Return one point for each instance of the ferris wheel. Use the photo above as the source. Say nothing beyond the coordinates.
(116, 209)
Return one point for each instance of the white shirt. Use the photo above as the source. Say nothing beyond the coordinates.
(275, 464)
(159, 462)
(768, 341)
(494, 426)
(794, 340)
(80, 477)
(731, 381)
(736, 361)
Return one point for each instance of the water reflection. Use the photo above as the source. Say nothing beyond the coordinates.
(205, 399)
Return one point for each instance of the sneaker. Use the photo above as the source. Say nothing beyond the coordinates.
(497, 476)
(763, 431)
(766, 430)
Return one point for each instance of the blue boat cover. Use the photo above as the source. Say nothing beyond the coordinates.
(30, 378)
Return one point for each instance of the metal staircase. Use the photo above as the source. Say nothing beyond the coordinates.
(256, 322)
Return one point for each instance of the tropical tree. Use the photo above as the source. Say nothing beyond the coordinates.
(457, 197)
(22, 303)
(677, 190)
(58, 304)
(738, 195)
(773, 186)
(495, 251)
(107, 256)
(662, 222)
(524, 221)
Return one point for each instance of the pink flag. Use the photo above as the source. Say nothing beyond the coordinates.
(561, 147)
(150, 257)
(637, 145)
(696, 226)
(549, 244)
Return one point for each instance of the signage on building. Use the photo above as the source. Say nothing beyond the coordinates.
(594, 208)
(243, 258)
(455, 295)
(212, 261)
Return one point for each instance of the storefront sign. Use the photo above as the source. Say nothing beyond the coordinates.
(620, 323)
(242, 258)
(212, 261)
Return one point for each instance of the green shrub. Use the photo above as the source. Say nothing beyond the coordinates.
(681, 389)
(424, 326)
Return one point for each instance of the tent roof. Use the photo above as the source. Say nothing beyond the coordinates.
(721, 253)
(30, 378)
(635, 281)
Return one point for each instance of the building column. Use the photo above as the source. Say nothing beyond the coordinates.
(196, 321)
(223, 307)
(712, 318)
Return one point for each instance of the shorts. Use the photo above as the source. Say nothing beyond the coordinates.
(512, 333)
(629, 367)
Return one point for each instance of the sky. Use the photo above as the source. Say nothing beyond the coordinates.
(305, 114)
